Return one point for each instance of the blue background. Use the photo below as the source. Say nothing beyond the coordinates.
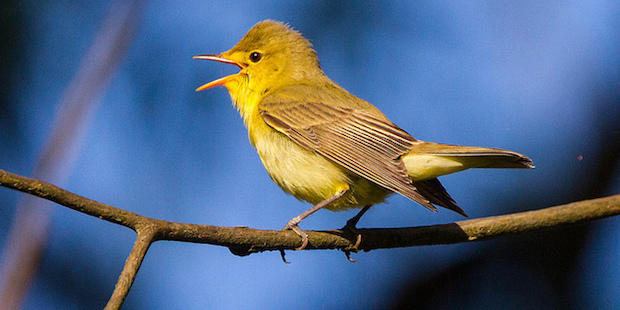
(539, 78)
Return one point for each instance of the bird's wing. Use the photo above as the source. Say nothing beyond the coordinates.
(367, 145)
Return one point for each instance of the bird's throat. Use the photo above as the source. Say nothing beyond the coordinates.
(245, 101)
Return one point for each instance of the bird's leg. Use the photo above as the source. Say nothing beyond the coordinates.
(351, 223)
(293, 223)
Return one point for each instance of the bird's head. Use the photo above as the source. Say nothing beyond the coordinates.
(270, 55)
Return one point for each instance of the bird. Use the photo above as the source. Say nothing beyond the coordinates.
(323, 145)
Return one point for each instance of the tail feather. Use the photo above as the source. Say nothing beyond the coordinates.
(437, 195)
(480, 157)
(428, 160)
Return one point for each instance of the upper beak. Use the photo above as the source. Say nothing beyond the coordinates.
(220, 81)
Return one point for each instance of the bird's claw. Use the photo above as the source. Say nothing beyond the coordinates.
(348, 254)
(283, 255)
(304, 236)
(358, 241)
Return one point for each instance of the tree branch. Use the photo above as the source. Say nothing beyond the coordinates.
(134, 261)
(244, 241)
(268, 240)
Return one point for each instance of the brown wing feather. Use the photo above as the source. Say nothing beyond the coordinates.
(364, 144)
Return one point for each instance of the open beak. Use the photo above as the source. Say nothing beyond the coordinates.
(223, 80)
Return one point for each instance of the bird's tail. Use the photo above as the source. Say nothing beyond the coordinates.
(428, 160)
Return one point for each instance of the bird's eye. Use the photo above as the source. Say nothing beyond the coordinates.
(256, 56)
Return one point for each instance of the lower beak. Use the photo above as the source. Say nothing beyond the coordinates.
(220, 81)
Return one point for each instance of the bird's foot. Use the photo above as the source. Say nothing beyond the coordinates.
(292, 225)
(351, 226)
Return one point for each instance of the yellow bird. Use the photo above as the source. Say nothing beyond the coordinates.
(322, 144)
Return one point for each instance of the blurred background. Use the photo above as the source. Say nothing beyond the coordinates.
(539, 78)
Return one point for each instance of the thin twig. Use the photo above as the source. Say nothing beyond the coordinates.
(134, 261)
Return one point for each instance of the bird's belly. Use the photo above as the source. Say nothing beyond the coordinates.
(309, 176)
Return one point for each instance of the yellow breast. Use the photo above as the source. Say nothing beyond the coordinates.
(308, 175)
(300, 172)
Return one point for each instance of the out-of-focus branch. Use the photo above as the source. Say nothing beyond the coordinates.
(244, 241)
(28, 234)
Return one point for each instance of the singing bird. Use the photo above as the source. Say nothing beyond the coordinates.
(324, 145)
